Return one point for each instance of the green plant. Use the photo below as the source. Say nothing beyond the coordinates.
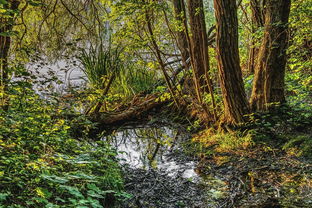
(299, 145)
(221, 141)
(101, 65)
(42, 165)
(135, 79)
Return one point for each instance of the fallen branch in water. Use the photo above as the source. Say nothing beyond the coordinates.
(134, 111)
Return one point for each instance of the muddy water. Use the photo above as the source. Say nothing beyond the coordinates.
(154, 148)
(158, 172)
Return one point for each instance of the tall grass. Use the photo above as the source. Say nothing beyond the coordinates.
(101, 64)
(136, 79)
(114, 74)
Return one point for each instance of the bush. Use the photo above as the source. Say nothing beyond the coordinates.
(41, 165)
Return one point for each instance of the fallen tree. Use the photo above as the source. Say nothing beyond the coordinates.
(135, 110)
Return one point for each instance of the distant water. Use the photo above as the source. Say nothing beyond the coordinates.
(69, 74)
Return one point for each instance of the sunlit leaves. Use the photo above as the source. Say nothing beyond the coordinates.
(41, 164)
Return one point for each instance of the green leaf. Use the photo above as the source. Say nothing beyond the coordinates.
(6, 34)
(3, 2)
(3, 196)
(94, 195)
(73, 191)
(55, 179)
(50, 205)
(34, 3)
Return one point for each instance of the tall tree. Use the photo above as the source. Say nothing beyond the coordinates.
(6, 27)
(268, 84)
(257, 22)
(234, 96)
(181, 35)
(198, 44)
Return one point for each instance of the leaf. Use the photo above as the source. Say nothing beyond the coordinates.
(3, 2)
(34, 3)
(81, 175)
(6, 34)
(50, 205)
(55, 179)
(73, 191)
(93, 187)
(95, 195)
(3, 196)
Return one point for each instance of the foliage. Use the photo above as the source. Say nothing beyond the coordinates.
(41, 165)
(298, 78)
(100, 64)
(219, 141)
(135, 79)
(299, 145)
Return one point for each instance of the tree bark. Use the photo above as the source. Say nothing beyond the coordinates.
(257, 21)
(181, 36)
(6, 26)
(196, 16)
(198, 44)
(268, 84)
(231, 81)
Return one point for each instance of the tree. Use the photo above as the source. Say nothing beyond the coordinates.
(198, 46)
(181, 35)
(7, 20)
(231, 81)
(257, 22)
(268, 84)
(46, 26)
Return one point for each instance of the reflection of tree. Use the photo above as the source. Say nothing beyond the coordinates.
(150, 142)
(52, 27)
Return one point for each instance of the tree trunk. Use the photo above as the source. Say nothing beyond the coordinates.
(234, 96)
(181, 36)
(257, 21)
(198, 44)
(268, 84)
(196, 16)
(6, 26)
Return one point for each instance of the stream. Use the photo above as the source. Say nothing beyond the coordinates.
(159, 172)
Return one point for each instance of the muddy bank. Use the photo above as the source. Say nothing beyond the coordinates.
(262, 178)
(157, 171)
(160, 172)
(156, 189)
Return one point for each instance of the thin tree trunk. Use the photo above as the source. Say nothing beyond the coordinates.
(268, 85)
(6, 26)
(234, 96)
(158, 55)
(196, 14)
(257, 21)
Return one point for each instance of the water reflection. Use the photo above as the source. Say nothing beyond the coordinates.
(157, 148)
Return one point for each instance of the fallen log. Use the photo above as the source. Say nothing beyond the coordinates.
(135, 111)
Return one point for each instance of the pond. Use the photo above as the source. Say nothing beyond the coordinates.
(159, 172)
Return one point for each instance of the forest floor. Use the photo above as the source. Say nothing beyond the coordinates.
(263, 175)
(267, 173)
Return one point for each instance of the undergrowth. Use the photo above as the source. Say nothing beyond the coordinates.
(42, 165)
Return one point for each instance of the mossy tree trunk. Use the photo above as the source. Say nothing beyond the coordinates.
(268, 84)
(231, 81)
(6, 26)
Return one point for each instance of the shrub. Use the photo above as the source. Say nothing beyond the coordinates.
(41, 165)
